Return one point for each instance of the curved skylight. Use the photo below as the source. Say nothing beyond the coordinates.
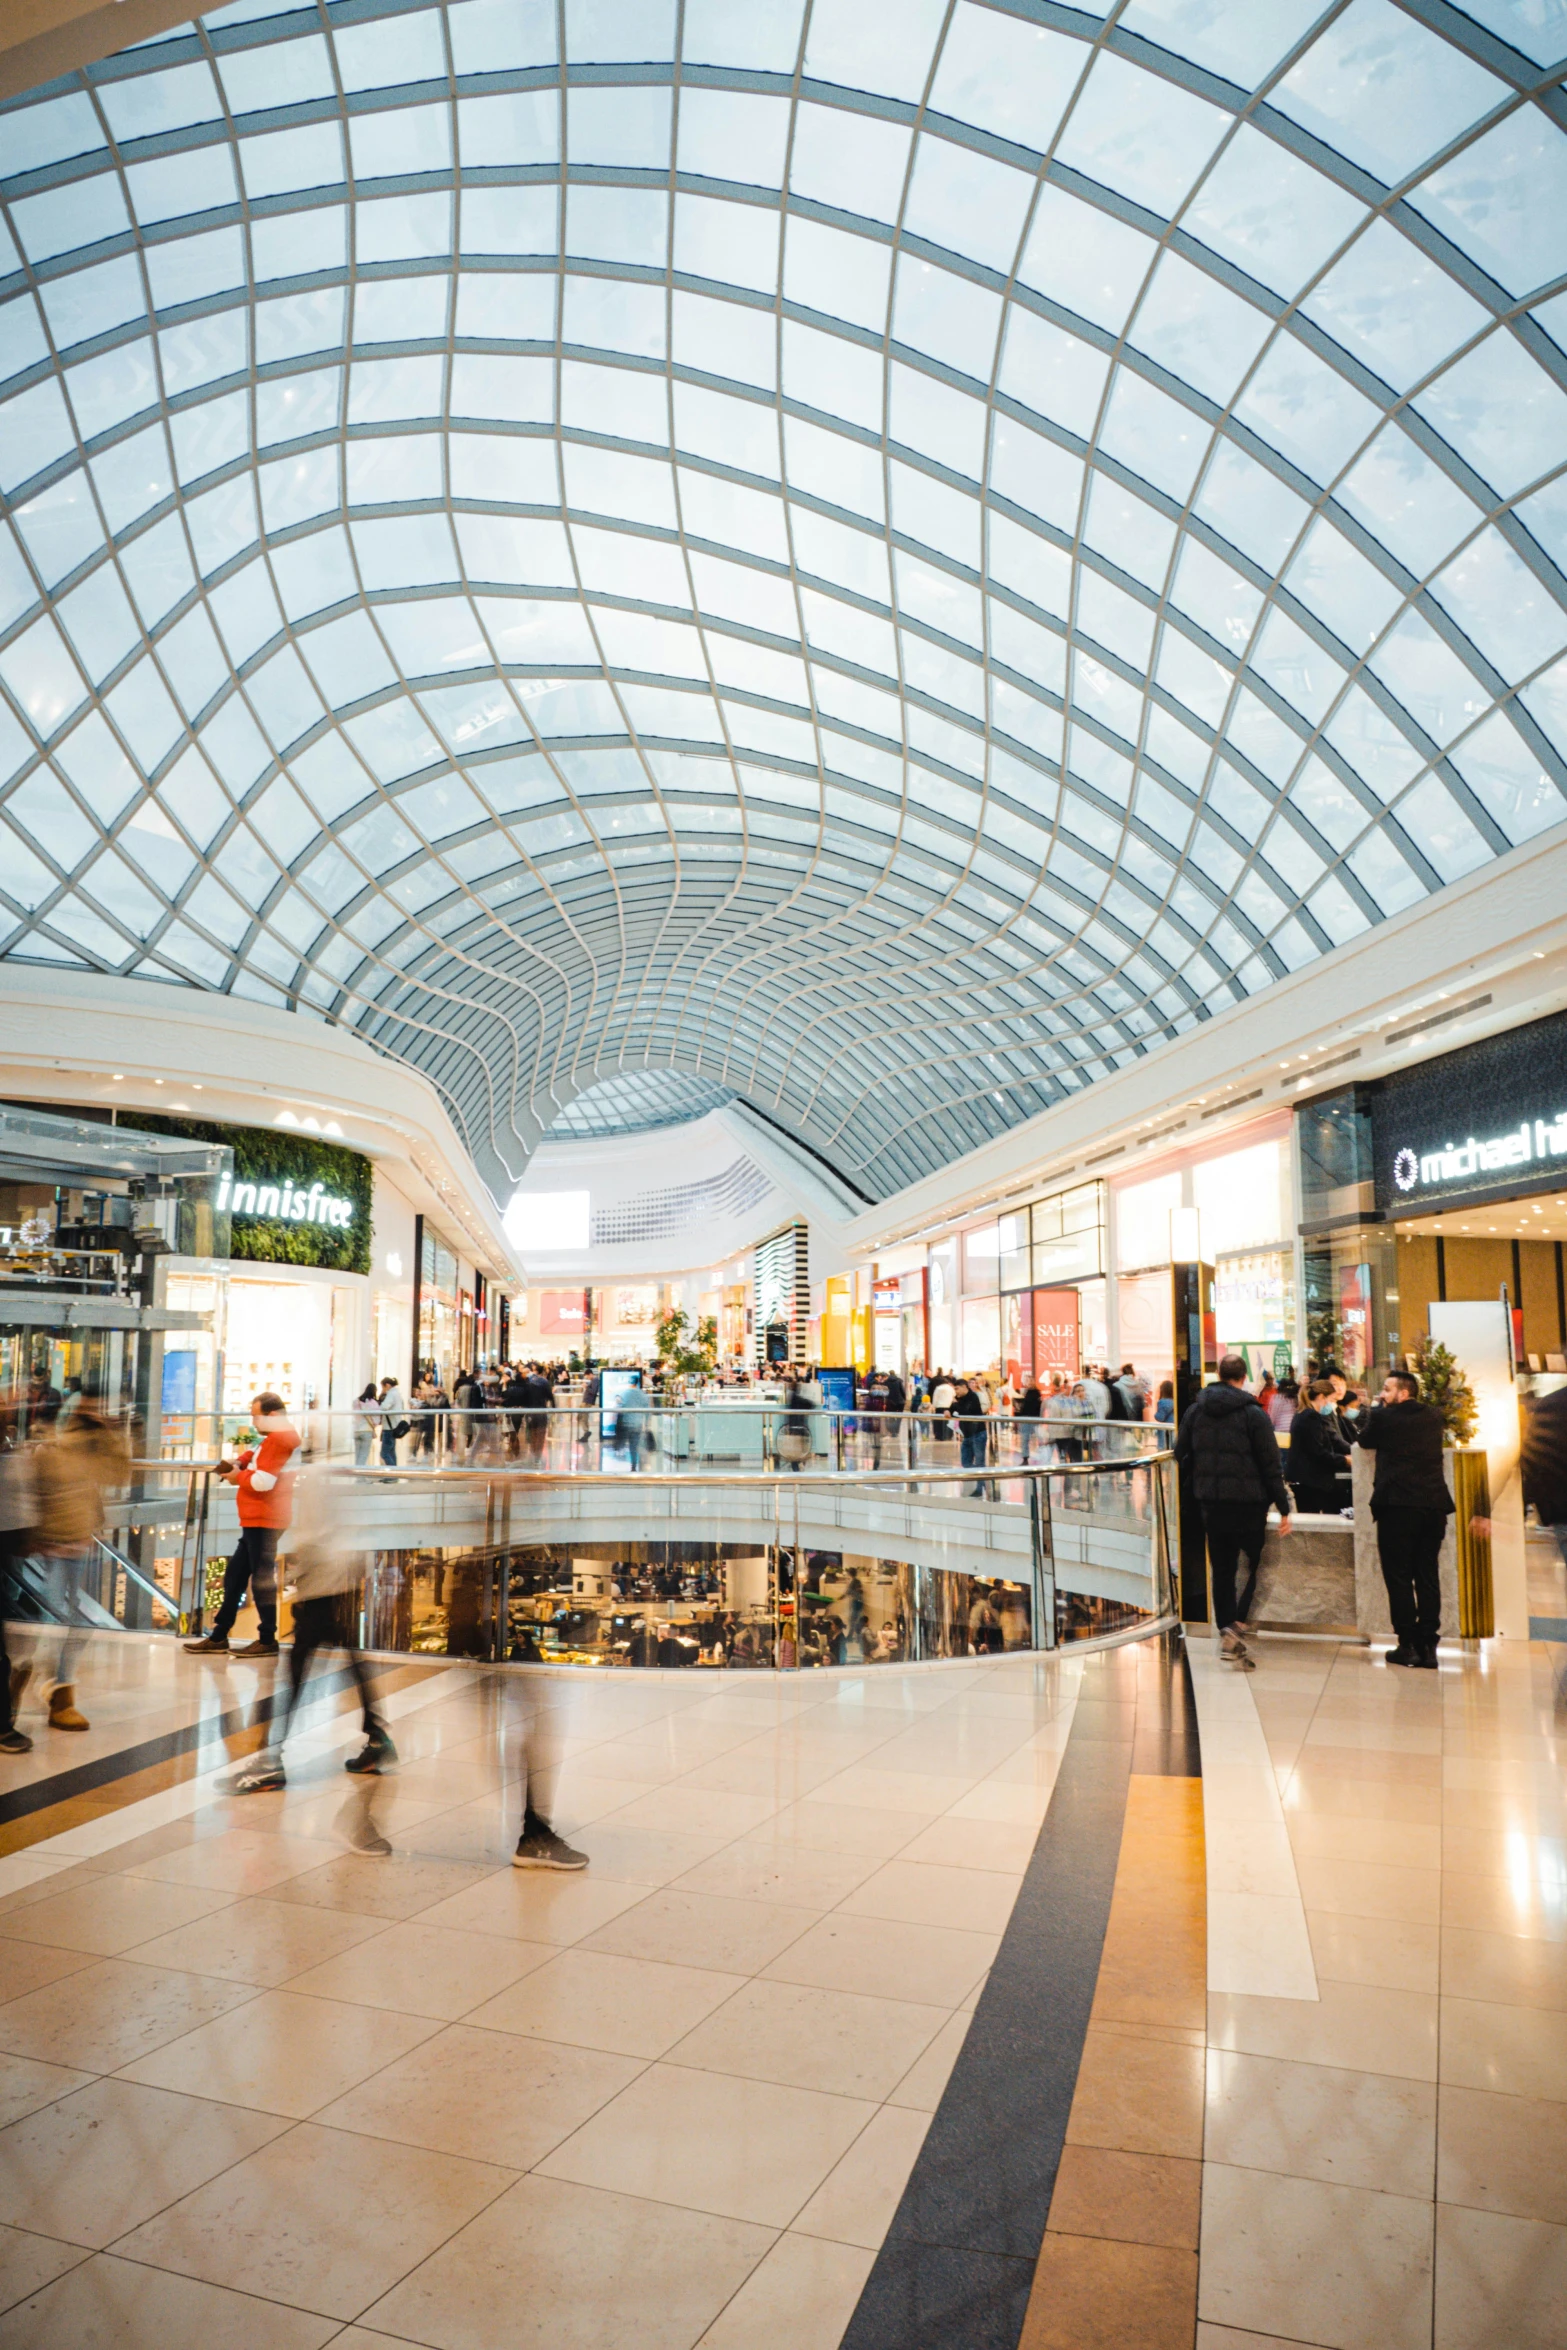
(886, 559)
(637, 1102)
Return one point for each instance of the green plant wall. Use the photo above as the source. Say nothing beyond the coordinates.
(264, 1155)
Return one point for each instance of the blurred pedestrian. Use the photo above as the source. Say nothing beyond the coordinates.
(326, 1570)
(74, 1463)
(264, 1477)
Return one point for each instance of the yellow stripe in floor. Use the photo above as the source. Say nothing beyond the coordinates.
(1118, 2266)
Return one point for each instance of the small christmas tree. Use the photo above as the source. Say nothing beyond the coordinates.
(1442, 1382)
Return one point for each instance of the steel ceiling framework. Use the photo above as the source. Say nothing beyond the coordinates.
(883, 556)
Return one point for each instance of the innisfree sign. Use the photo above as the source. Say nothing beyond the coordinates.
(283, 1203)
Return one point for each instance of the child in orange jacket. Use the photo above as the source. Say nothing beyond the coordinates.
(265, 1478)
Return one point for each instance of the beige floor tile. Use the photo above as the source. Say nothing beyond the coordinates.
(107, 2157)
(319, 2220)
(1377, 1843)
(1506, 2154)
(760, 1868)
(1370, 1797)
(1492, 1851)
(1516, 2051)
(1374, 1950)
(259, 1941)
(1357, 2026)
(592, 2271)
(402, 1885)
(694, 1811)
(703, 1929)
(25, 2086)
(847, 2044)
(234, 1863)
(111, 1914)
(838, 1828)
(416, 1969)
(487, 2096)
(1518, 1904)
(1341, 2266)
(1221, 2338)
(28, 2263)
(921, 1794)
(1018, 1807)
(532, 1906)
(744, 2149)
(934, 1966)
(1501, 2284)
(285, 2054)
(974, 1844)
(645, 1856)
(594, 1999)
(802, 2294)
(26, 1966)
(111, 2012)
(922, 2085)
(1511, 1970)
(855, 2202)
(924, 1893)
(1367, 1889)
(108, 2304)
(1354, 2129)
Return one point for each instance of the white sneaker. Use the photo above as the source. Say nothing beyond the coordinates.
(1232, 1649)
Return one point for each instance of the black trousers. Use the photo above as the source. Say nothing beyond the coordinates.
(253, 1565)
(328, 1623)
(1409, 1543)
(1234, 1530)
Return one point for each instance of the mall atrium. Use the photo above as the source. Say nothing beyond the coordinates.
(783, 1115)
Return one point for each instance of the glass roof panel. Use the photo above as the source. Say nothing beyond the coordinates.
(492, 620)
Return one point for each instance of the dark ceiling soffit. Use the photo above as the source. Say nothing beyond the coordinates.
(30, 59)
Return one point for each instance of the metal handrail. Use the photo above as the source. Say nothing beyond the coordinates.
(486, 1473)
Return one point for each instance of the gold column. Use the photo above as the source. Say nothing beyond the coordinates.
(1472, 1496)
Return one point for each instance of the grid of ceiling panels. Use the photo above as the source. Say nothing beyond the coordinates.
(637, 1100)
(886, 555)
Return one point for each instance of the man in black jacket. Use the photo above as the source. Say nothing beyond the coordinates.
(1227, 1447)
(1411, 1505)
(1545, 1461)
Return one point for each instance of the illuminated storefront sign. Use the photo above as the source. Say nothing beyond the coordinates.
(1481, 1123)
(1532, 1141)
(282, 1203)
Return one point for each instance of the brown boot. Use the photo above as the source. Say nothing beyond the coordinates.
(62, 1708)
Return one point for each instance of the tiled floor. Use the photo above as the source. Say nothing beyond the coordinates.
(259, 2090)
(1384, 2161)
(259, 2093)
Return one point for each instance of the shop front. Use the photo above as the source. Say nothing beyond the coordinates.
(1227, 1205)
(1443, 1184)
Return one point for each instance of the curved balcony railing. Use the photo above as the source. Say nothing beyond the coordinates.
(711, 1432)
(600, 1568)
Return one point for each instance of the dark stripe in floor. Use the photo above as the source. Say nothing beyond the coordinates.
(957, 2266)
(197, 1745)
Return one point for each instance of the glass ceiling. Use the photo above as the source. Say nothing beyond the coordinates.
(637, 1102)
(886, 557)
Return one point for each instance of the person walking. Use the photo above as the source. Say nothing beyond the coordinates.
(1027, 1412)
(968, 1409)
(264, 1475)
(74, 1462)
(1227, 1446)
(366, 1420)
(1411, 1506)
(325, 1570)
(394, 1420)
(538, 1401)
(1317, 1452)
